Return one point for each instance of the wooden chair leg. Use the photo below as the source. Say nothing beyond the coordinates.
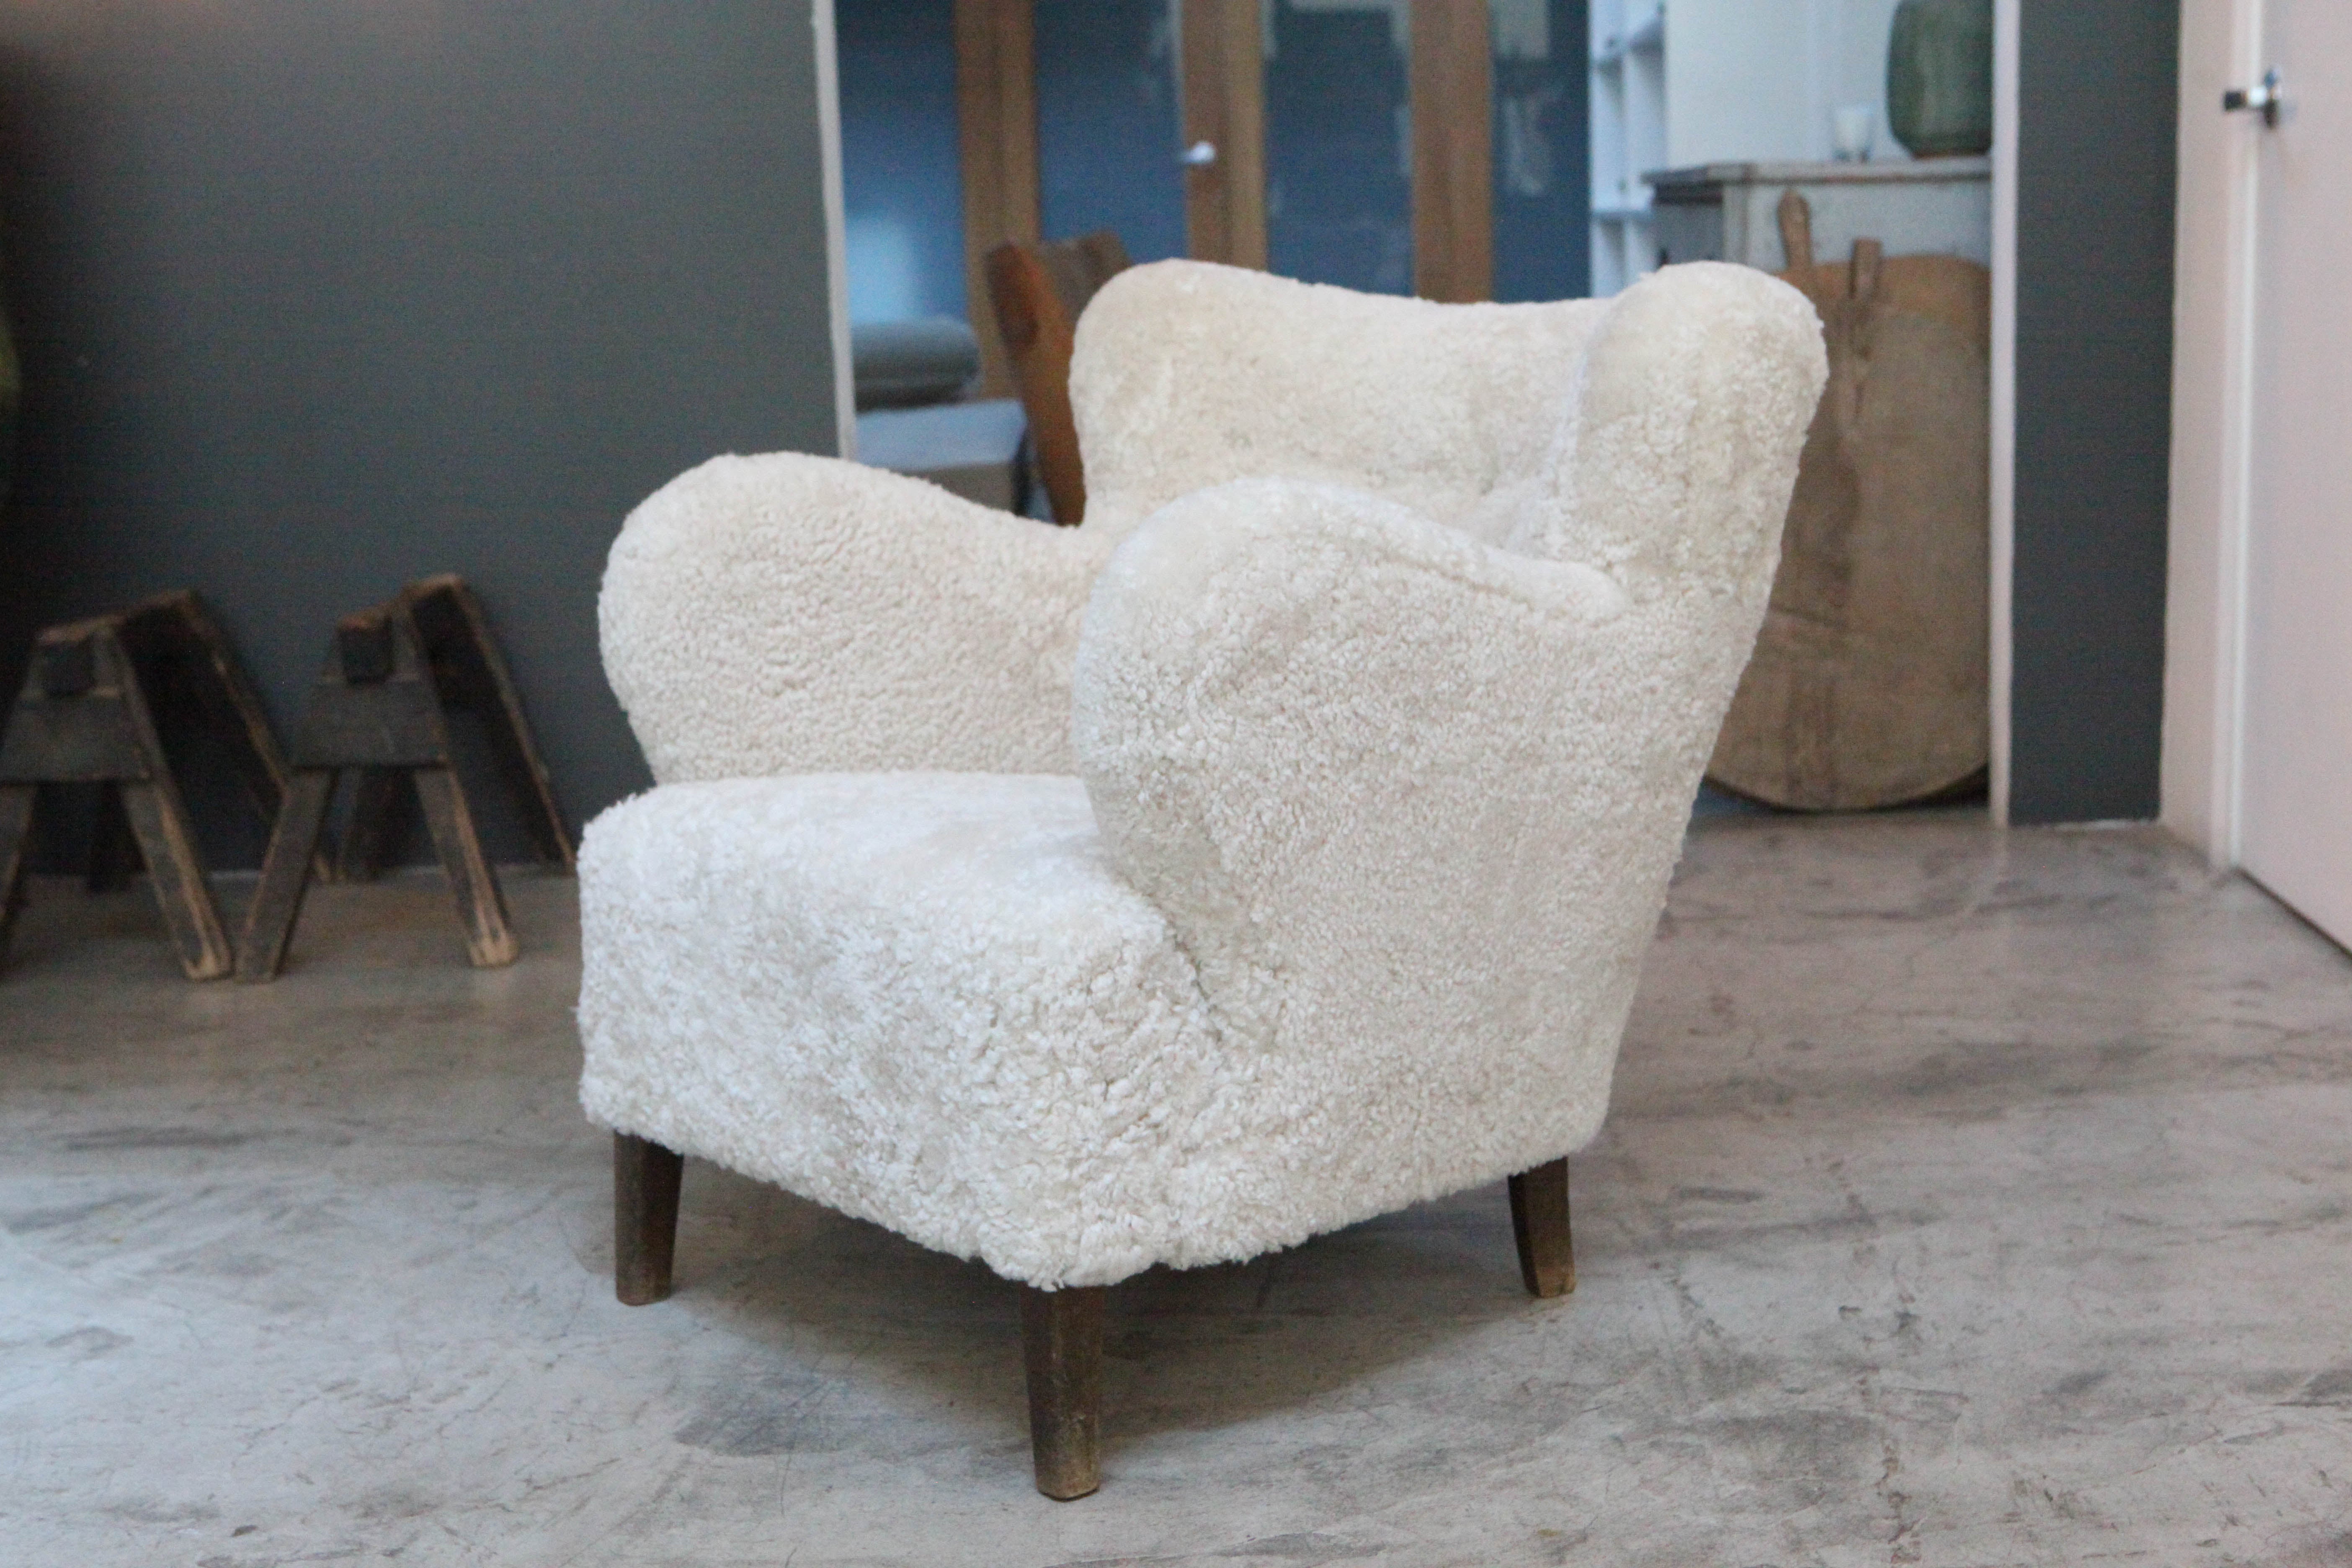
(1063, 1336)
(1539, 1223)
(646, 1181)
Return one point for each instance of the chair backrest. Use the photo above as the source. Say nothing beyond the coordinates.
(1409, 805)
(1186, 375)
(1038, 293)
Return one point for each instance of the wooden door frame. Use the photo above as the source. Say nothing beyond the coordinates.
(1450, 77)
(996, 134)
(1223, 90)
(1221, 56)
(2212, 430)
(837, 224)
(2001, 493)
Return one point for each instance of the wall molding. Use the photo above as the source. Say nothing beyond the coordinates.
(2001, 600)
(837, 224)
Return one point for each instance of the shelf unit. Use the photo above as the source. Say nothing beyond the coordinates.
(1629, 136)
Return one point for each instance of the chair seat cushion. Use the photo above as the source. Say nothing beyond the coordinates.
(924, 999)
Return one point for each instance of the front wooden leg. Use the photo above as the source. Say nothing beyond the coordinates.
(645, 1178)
(1062, 1335)
(1539, 1223)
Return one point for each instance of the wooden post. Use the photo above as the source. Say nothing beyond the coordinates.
(1062, 1333)
(1451, 77)
(996, 125)
(1539, 1224)
(1225, 106)
(646, 1178)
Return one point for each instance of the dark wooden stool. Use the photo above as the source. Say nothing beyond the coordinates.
(380, 709)
(87, 714)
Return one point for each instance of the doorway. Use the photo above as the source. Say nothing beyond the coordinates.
(984, 121)
(2259, 718)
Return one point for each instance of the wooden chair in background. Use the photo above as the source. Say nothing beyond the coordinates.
(1038, 293)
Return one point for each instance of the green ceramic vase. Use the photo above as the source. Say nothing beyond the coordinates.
(1939, 78)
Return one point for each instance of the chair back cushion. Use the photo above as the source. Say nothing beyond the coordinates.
(1187, 375)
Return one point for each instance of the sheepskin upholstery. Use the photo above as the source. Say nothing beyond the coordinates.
(1386, 665)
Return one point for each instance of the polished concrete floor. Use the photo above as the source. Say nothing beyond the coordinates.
(1967, 1200)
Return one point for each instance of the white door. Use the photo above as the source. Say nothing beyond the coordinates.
(2295, 779)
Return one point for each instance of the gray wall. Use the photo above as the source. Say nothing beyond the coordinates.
(2098, 109)
(317, 296)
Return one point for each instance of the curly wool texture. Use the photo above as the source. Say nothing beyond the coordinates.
(1375, 811)
(789, 614)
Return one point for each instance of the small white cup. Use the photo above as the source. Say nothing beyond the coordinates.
(1851, 131)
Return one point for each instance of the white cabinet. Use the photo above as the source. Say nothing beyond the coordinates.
(1677, 83)
(1731, 212)
(1629, 136)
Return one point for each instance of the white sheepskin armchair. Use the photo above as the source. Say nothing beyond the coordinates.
(1277, 849)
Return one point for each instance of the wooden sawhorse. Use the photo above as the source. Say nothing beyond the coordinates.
(380, 709)
(87, 715)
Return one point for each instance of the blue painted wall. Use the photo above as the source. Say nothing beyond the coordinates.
(316, 298)
(1542, 183)
(1108, 123)
(1339, 197)
(901, 172)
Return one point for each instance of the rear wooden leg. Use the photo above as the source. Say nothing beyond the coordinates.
(1539, 1222)
(1063, 1336)
(646, 1178)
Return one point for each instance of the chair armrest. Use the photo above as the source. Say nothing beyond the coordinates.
(1396, 790)
(788, 613)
